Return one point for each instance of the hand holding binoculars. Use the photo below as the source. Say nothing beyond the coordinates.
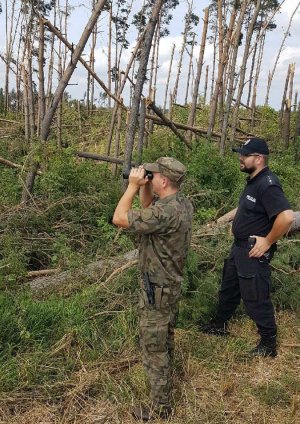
(148, 174)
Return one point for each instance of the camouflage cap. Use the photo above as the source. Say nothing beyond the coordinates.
(169, 167)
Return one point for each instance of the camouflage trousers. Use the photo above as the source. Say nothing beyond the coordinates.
(157, 323)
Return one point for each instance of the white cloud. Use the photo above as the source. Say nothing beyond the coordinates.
(289, 7)
(289, 55)
(166, 45)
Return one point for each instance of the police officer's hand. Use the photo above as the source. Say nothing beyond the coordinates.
(137, 177)
(260, 248)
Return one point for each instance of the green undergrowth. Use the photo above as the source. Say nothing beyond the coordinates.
(90, 325)
(41, 338)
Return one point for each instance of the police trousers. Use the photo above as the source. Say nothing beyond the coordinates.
(157, 324)
(248, 279)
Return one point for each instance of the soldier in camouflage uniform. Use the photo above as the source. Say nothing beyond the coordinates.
(164, 223)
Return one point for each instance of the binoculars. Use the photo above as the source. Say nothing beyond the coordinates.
(148, 174)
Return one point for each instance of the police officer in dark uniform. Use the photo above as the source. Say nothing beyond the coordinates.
(262, 217)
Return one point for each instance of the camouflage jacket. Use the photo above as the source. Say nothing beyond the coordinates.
(165, 228)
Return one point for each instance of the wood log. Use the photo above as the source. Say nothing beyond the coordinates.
(166, 121)
(247, 107)
(229, 216)
(9, 121)
(107, 268)
(296, 223)
(13, 165)
(94, 270)
(93, 156)
(42, 272)
(59, 35)
(180, 126)
(9, 163)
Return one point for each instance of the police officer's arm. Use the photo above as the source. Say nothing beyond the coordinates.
(136, 180)
(280, 227)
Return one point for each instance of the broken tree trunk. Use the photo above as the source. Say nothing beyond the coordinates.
(286, 85)
(231, 77)
(120, 90)
(192, 113)
(82, 61)
(286, 129)
(223, 56)
(140, 79)
(117, 139)
(93, 156)
(168, 80)
(190, 71)
(70, 69)
(41, 102)
(96, 270)
(109, 54)
(206, 85)
(169, 123)
(142, 122)
(286, 34)
(185, 33)
(243, 69)
(46, 123)
(257, 73)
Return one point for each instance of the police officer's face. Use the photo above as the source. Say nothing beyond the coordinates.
(248, 163)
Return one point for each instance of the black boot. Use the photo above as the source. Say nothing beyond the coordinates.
(266, 347)
(215, 328)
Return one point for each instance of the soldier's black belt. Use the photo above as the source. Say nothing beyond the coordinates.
(241, 243)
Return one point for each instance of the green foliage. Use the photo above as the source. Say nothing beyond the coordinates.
(267, 126)
(212, 171)
(205, 214)
(285, 278)
(31, 328)
(289, 174)
(45, 341)
(65, 176)
(10, 193)
(13, 258)
(202, 279)
(71, 225)
(214, 182)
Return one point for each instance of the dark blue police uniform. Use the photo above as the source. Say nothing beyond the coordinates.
(249, 278)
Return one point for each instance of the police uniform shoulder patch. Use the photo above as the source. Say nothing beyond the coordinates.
(269, 181)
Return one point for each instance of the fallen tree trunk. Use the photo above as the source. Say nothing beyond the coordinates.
(106, 269)
(13, 165)
(70, 46)
(94, 270)
(180, 126)
(9, 121)
(229, 216)
(93, 156)
(9, 163)
(167, 122)
(296, 223)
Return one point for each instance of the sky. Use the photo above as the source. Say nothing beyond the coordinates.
(80, 15)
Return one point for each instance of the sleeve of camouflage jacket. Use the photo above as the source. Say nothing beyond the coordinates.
(153, 219)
